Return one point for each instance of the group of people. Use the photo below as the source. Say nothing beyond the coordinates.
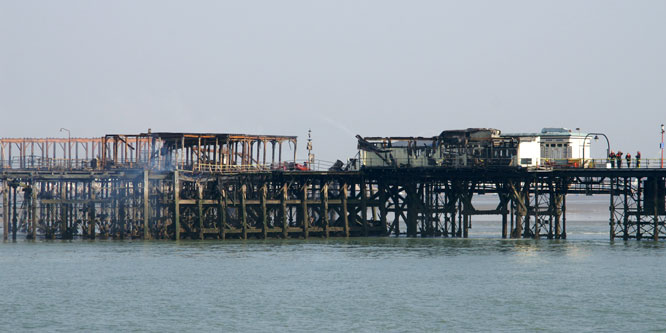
(616, 159)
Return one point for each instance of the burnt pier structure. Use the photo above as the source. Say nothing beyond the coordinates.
(231, 186)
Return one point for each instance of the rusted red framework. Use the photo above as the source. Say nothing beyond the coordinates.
(48, 153)
(169, 151)
(195, 151)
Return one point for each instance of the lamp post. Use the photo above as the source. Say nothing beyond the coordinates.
(662, 146)
(69, 146)
(596, 137)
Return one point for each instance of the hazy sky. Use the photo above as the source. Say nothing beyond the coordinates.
(380, 68)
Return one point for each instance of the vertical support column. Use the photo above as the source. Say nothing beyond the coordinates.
(146, 204)
(283, 202)
(563, 235)
(511, 218)
(427, 211)
(655, 196)
(459, 233)
(383, 202)
(537, 223)
(345, 213)
(518, 198)
(611, 209)
(411, 210)
(518, 231)
(63, 210)
(14, 215)
(397, 211)
(176, 203)
(553, 201)
(200, 213)
(91, 211)
(364, 207)
(324, 209)
(504, 201)
(626, 216)
(305, 215)
(639, 209)
(373, 207)
(465, 211)
(35, 220)
(244, 211)
(558, 212)
(264, 215)
(120, 207)
(525, 215)
(222, 214)
(5, 211)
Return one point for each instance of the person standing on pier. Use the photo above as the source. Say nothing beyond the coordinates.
(611, 157)
(618, 158)
(628, 160)
(638, 159)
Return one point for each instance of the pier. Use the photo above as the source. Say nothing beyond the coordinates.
(231, 186)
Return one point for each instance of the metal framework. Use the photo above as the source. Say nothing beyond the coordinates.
(195, 151)
(48, 153)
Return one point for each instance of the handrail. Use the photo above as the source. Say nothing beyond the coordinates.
(604, 163)
(38, 163)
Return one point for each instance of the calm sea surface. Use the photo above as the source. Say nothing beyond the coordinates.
(584, 283)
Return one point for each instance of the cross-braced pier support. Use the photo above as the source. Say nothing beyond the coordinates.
(637, 208)
(148, 204)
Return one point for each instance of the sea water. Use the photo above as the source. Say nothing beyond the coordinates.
(396, 284)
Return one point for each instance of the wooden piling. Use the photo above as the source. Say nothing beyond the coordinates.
(305, 216)
(537, 223)
(14, 215)
(146, 204)
(200, 212)
(176, 204)
(324, 209)
(222, 214)
(63, 211)
(411, 210)
(91, 211)
(121, 187)
(283, 205)
(35, 219)
(345, 213)
(244, 210)
(364, 208)
(563, 235)
(655, 196)
(505, 221)
(383, 203)
(264, 213)
(5, 210)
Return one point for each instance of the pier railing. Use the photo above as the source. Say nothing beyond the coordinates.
(602, 163)
(318, 165)
(543, 163)
(39, 163)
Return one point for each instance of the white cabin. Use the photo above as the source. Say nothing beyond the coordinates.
(552, 146)
(559, 145)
